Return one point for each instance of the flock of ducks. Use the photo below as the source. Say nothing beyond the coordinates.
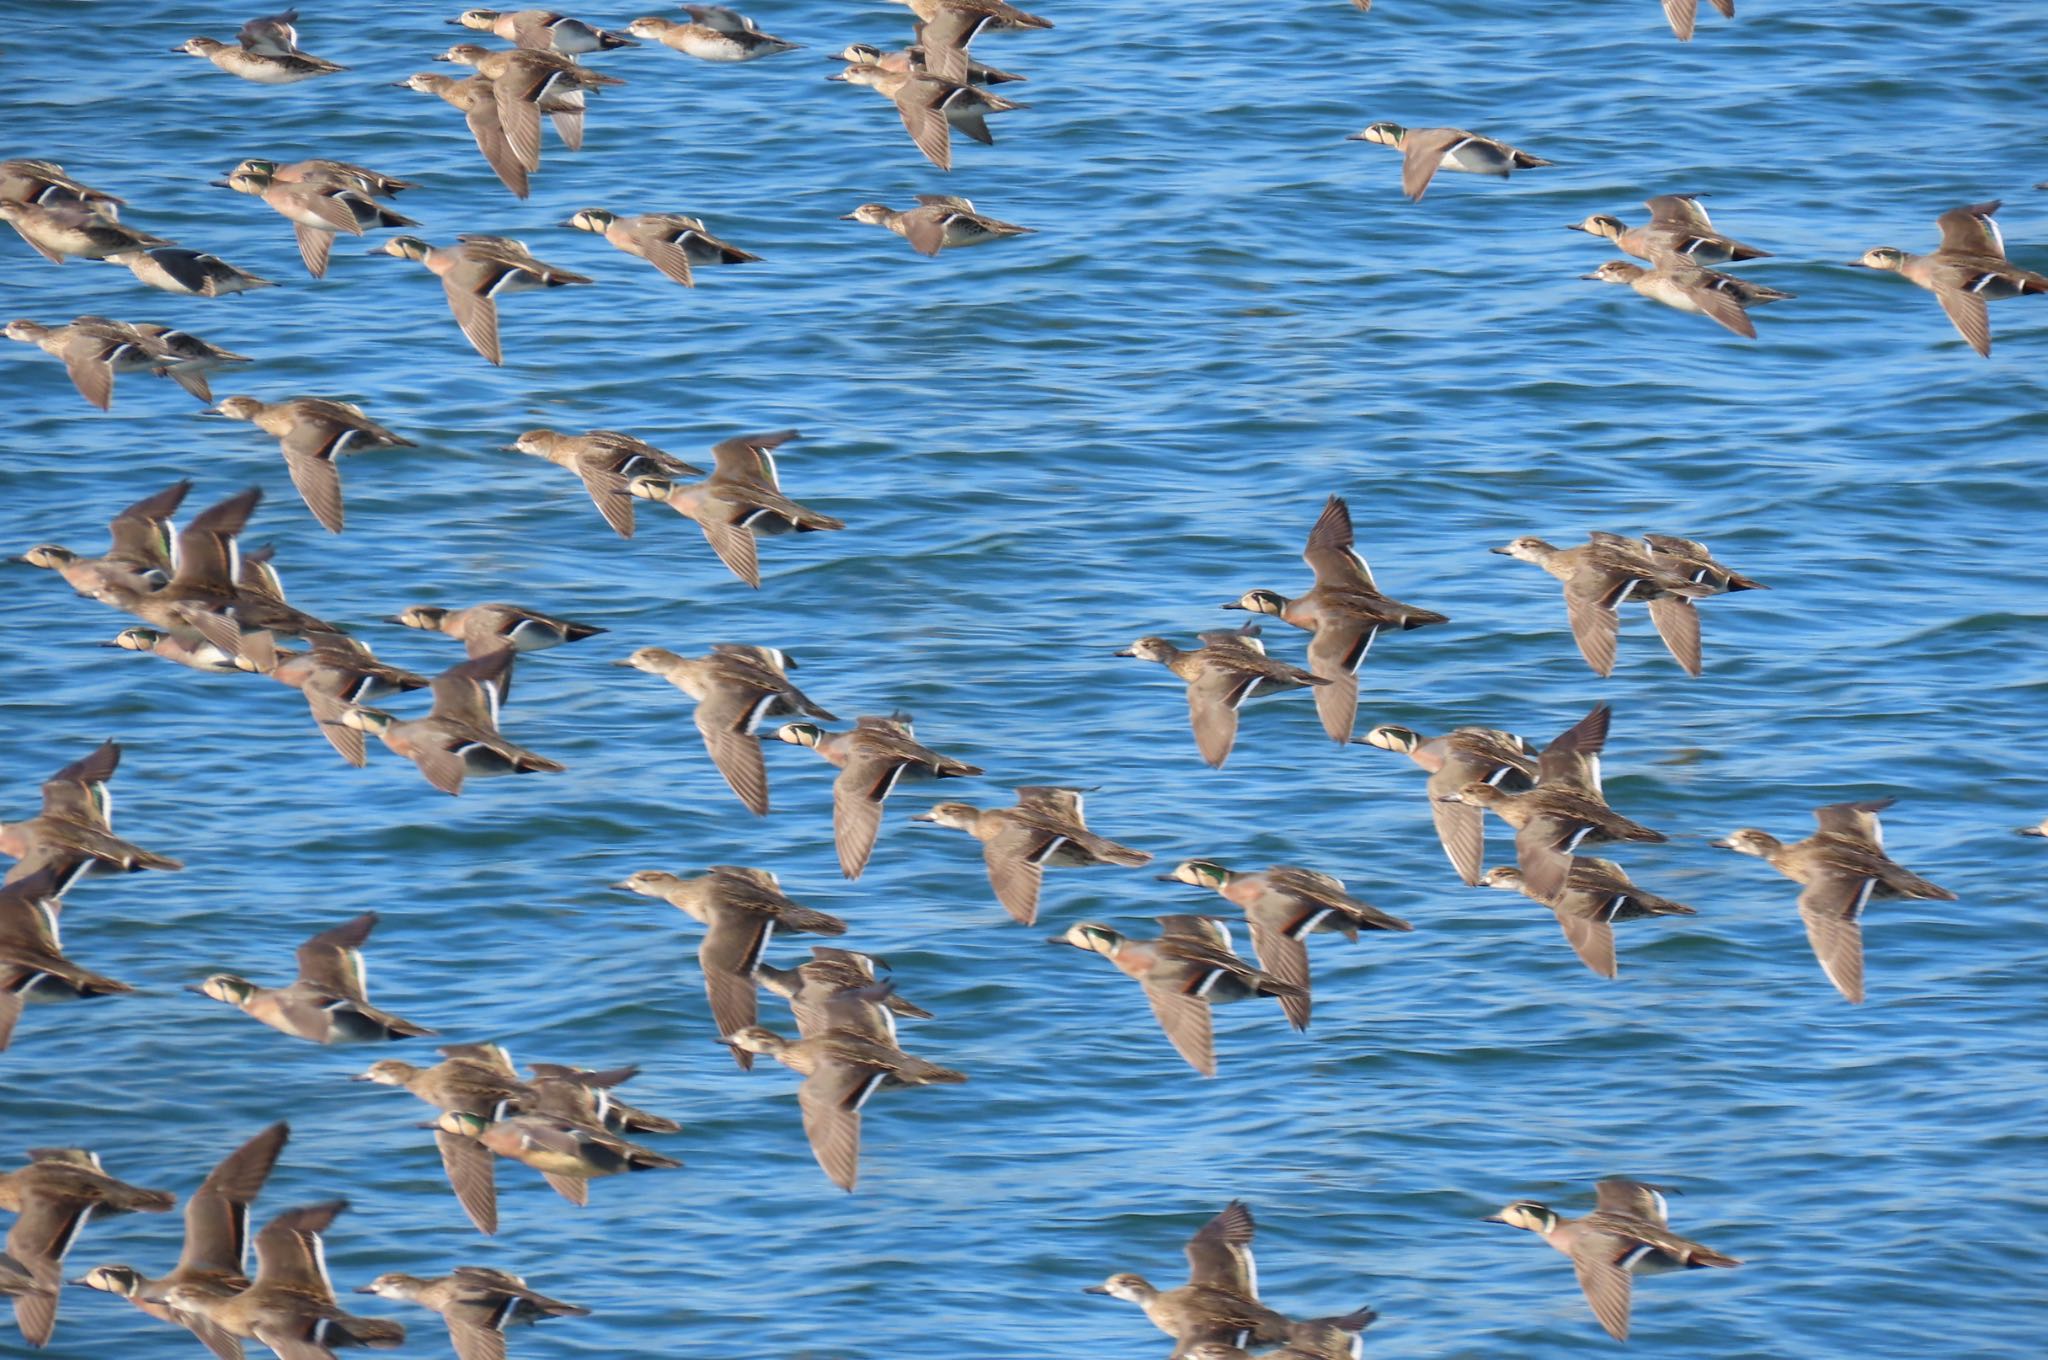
(1967, 271)
(201, 601)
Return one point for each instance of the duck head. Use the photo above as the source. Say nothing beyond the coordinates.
(1260, 602)
(1599, 224)
(1750, 841)
(1199, 873)
(1887, 258)
(1527, 548)
(960, 816)
(1382, 134)
(801, 734)
(1095, 939)
(1391, 738)
(1527, 1215)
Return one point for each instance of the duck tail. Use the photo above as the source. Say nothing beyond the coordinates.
(803, 919)
(89, 984)
(923, 1073)
(1706, 1256)
(557, 1308)
(1122, 854)
(1315, 1330)
(1912, 885)
(375, 1333)
(646, 1159)
(399, 1028)
(1661, 906)
(135, 1199)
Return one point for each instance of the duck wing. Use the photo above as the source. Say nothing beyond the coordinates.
(1970, 230)
(471, 1174)
(925, 121)
(1591, 939)
(78, 793)
(725, 721)
(289, 1254)
(830, 1100)
(470, 693)
(857, 797)
(1679, 210)
(217, 1215)
(731, 948)
(1967, 312)
(1682, 15)
(751, 457)
(309, 454)
(489, 132)
(1186, 1022)
(1220, 1254)
(1330, 553)
(332, 961)
(477, 315)
(1597, 1256)
(207, 557)
(1422, 151)
(1831, 906)
(1572, 759)
(1635, 1199)
(1016, 856)
(142, 532)
(1855, 822)
(1214, 696)
(1678, 623)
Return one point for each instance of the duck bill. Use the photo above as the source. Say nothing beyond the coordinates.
(1125, 652)
(1722, 845)
(1503, 552)
(1494, 1218)
(1096, 1288)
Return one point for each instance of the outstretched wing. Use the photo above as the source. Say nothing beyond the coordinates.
(333, 959)
(1220, 1254)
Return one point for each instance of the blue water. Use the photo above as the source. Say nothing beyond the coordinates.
(1043, 449)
